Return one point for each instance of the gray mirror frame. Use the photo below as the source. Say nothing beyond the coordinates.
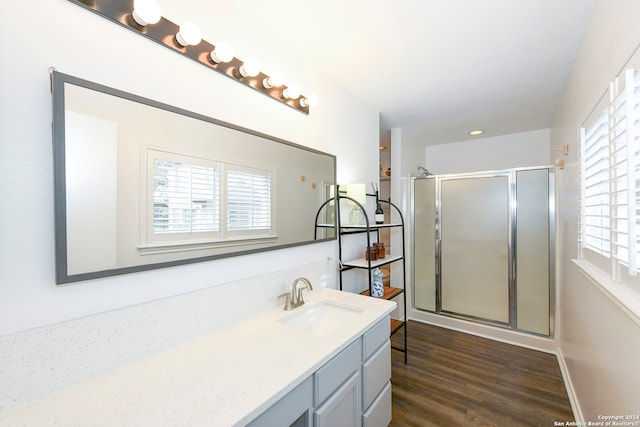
(58, 81)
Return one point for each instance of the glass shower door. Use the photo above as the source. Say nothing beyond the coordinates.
(474, 240)
(424, 247)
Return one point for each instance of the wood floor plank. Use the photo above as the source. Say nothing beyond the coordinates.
(457, 379)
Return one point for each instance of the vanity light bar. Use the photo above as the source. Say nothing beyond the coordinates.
(168, 34)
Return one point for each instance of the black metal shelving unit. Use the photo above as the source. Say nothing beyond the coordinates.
(372, 235)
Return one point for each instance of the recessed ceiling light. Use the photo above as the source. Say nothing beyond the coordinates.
(476, 132)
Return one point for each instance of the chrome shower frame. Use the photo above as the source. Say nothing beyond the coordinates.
(512, 247)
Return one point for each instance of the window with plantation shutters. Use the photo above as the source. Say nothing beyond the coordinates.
(624, 153)
(203, 202)
(248, 206)
(186, 197)
(610, 180)
(594, 209)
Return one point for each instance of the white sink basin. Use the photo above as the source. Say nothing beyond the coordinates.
(321, 318)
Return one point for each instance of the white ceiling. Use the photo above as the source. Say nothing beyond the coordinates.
(437, 67)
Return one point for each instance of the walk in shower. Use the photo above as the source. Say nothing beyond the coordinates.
(483, 247)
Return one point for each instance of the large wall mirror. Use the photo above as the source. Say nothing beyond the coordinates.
(142, 185)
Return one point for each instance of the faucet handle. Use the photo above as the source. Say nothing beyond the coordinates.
(287, 301)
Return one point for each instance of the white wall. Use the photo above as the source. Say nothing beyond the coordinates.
(600, 343)
(61, 34)
(490, 153)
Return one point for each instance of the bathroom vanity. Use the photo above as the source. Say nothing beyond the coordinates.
(351, 389)
(325, 363)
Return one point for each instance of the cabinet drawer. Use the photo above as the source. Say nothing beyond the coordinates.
(328, 378)
(375, 337)
(379, 413)
(376, 372)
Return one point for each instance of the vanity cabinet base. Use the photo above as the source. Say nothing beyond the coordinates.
(353, 389)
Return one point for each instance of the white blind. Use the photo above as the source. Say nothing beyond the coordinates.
(634, 175)
(248, 199)
(610, 177)
(193, 200)
(595, 213)
(185, 197)
(623, 152)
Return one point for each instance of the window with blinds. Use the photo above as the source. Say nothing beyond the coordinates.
(186, 197)
(595, 215)
(248, 199)
(195, 200)
(610, 178)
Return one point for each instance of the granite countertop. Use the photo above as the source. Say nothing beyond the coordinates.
(226, 378)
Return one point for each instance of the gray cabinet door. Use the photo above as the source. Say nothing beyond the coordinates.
(294, 409)
(379, 413)
(376, 373)
(343, 408)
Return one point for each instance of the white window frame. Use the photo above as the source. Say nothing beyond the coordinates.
(154, 236)
(593, 235)
(613, 261)
(152, 242)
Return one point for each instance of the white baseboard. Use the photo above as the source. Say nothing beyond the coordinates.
(573, 399)
(534, 342)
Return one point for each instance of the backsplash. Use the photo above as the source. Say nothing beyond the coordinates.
(42, 360)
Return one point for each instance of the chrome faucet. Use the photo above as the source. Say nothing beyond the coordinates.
(294, 299)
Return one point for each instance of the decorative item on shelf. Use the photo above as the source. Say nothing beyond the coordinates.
(377, 288)
(371, 254)
(356, 217)
(380, 249)
(358, 193)
(379, 214)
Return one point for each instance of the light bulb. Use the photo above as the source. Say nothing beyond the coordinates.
(250, 68)
(189, 34)
(275, 80)
(309, 101)
(223, 52)
(291, 92)
(146, 12)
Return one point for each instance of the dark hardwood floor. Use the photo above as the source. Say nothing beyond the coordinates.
(457, 379)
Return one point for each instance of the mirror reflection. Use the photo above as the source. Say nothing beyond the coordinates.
(143, 185)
